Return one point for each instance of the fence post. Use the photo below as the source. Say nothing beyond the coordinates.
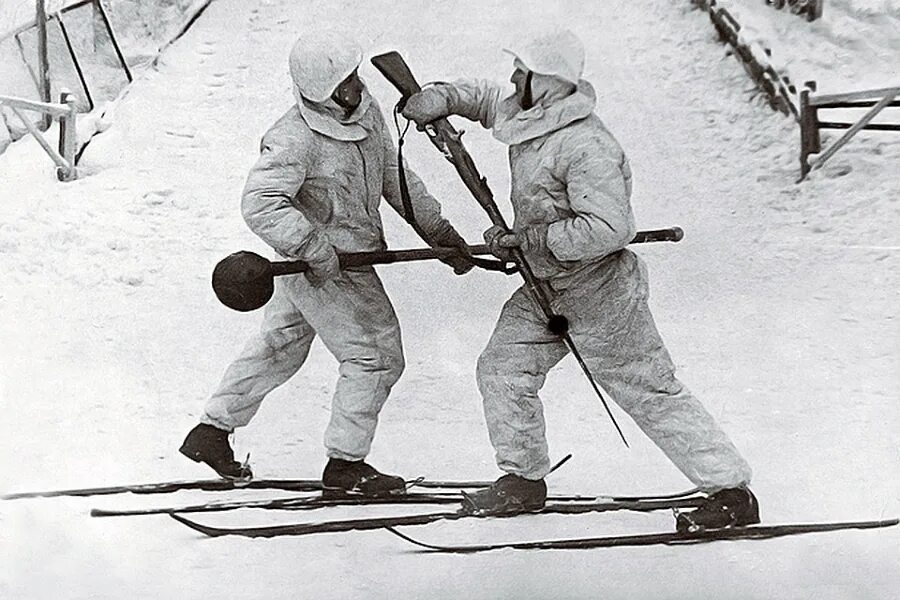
(816, 11)
(97, 27)
(43, 59)
(809, 129)
(68, 138)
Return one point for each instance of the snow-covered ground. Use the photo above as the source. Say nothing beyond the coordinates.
(780, 308)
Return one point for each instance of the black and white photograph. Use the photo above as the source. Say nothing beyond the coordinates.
(450, 299)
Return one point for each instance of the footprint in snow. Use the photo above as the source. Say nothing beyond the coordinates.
(182, 131)
(835, 171)
(157, 197)
(133, 280)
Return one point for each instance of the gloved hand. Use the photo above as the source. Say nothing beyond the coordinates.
(492, 238)
(425, 106)
(460, 264)
(323, 264)
(531, 240)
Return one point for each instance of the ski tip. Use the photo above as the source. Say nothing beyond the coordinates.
(181, 519)
(422, 545)
(195, 526)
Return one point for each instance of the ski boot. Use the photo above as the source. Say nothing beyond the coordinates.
(208, 444)
(342, 477)
(509, 495)
(733, 507)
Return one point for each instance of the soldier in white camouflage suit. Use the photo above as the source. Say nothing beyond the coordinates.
(315, 192)
(571, 188)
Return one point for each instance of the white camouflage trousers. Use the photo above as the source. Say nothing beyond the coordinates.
(611, 325)
(355, 320)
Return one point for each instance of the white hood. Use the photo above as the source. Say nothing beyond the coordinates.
(559, 53)
(321, 60)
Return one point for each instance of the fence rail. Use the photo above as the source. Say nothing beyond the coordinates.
(66, 113)
(811, 9)
(777, 87)
(875, 100)
(40, 25)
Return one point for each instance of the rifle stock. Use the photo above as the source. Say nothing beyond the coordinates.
(395, 70)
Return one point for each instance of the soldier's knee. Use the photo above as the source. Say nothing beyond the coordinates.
(279, 339)
(488, 364)
(394, 364)
(388, 366)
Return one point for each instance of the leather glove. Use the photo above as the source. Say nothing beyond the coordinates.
(425, 106)
(460, 264)
(531, 240)
(323, 264)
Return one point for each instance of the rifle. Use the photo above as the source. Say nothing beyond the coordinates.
(245, 281)
(449, 141)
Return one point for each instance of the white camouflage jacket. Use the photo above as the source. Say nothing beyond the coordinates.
(308, 187)
(566, 170)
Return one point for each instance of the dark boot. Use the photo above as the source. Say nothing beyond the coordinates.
(509, 495)
(356, 476)
(208, 444)
(734, 507)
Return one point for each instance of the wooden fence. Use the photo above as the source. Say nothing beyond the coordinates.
(811, 9)
(42, 19)
(67, 114)
(782, 94)
(810, 124)
(777, 87)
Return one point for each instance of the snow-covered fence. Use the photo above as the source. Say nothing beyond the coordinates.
(67, 114)
(83, 10)
(811, 9)
(91, 48)
(810, 143)
(755, 59)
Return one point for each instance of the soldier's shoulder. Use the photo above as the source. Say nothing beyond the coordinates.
(591, 132)
(289, 131)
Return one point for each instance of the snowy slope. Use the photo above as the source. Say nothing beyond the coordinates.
(855, 45)
(779, 308)
(16, 13)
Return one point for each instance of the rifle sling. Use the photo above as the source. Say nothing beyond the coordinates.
(409, 216)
